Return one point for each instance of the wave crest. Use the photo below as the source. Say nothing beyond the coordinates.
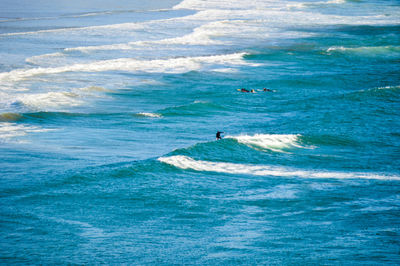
(171, 65)
(50, 100)
(273, 142)
(154, 115)
(185, 162)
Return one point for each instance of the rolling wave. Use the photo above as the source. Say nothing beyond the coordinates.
(8, 117)
(185, 162)
(274, 142)
(172, 65)
(213, 21)
(280, 13)
(388, 93)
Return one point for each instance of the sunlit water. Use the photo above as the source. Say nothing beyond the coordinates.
(108, 115)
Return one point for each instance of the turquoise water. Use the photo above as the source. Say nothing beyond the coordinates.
(108, 115)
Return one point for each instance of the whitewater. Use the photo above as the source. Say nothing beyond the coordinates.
(108, 121)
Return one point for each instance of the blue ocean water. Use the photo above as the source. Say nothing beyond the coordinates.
(108, 115)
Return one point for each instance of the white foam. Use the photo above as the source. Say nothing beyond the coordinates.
(185, 162)
(50, 100)
(172, 65)
(225, 70)
(9, 131)
(59, 100)
(232, 20)
(221, 4)
(93, 89)
(273, 142)
(279, 13)
(44, 58)
(367, 50)
(389, 88)
(155, 115)
(331, 2)
(106, 29)
(200, 36)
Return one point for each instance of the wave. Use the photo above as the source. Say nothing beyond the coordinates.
(273, 142)
(393, 88)
(58, 100)
(49, 100)
(258, 4)
(389, 93)
(185, 162)
(8, 117)
(37, 59)
(279, 13)
(61, 17)
(9, 131)
(154, 115)
(213, 21)
(84, 30)
(366, 50)
(172, 65)
(201, 35)
(320, 3)
(94, 89)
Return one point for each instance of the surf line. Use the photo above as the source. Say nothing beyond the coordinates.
(185, 162)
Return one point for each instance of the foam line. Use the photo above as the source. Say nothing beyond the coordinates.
(365, 49)
(154, 115)
(121, 26)
(185, 162)
(13, 130)
(173, 65)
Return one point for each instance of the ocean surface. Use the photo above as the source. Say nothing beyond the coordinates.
(108, 116)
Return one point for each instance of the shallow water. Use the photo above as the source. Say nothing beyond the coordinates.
(108, 115)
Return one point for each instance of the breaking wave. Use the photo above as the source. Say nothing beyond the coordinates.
(50, 100)
(185, 162)
(172, 65)
(273, 142)
(59, 100)
(154, 115)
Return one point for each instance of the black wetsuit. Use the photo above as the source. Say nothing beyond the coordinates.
(218, 136)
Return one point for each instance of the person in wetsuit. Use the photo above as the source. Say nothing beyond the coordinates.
(218, 135)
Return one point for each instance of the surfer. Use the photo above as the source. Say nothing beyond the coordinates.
(265, 89)
(218, 135)
(243, 90)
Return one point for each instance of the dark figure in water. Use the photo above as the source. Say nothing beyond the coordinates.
(244, 90)
(218, 135)
(265, 89)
